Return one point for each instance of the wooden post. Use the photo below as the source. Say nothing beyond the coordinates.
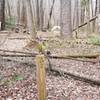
(40, 64)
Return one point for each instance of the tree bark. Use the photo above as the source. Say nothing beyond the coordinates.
(41, 15)
(98, 7)
(30, 20)
(88, 16)
(65, 18)
(37, 14)
(82, 11)
(50, 14)
(23, 19)
(2, 14)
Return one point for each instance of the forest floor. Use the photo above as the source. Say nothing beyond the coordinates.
(18, 74)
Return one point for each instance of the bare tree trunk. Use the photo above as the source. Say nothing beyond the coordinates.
(91, 3)
(91, 14)
(65, 21)
(95, 13)
(18, 12)
(97, 23)
(88, 16)
(8, 8)
(2, 14)
(37, 14)
(50, 15)
(41, 15)
(82, 11)
(23, 14)
(98, 7)
(30, 21)
(76, 15)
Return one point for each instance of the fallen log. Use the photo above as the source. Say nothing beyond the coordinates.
(65, 74)
(72, 57)
(9, 51)
(23, 38)
(95, 55)
(52, 57)
(68, 56)
(83, 60)
(17, 55)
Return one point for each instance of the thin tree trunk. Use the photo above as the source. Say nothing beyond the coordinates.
(8, 8)
(37, 14)
(41, 15)
(2, 14)
(76, 17)
(50, 14)
(82, 12)
(95, 13)
(88, 16)
(30, 21)
(97, 23)
(65, 21)
(23, 14)
(98, 7)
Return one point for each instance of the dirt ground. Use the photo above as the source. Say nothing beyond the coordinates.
(58, 88)
(18, 75)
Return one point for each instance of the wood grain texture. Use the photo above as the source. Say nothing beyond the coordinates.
(41, 85)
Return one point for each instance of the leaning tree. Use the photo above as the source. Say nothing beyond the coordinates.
(2, 14)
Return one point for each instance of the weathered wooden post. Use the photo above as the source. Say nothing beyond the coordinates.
(41, 85)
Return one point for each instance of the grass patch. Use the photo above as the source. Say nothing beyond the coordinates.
(17, 77)
(11, 79)
(95, 40)
(9, 22)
